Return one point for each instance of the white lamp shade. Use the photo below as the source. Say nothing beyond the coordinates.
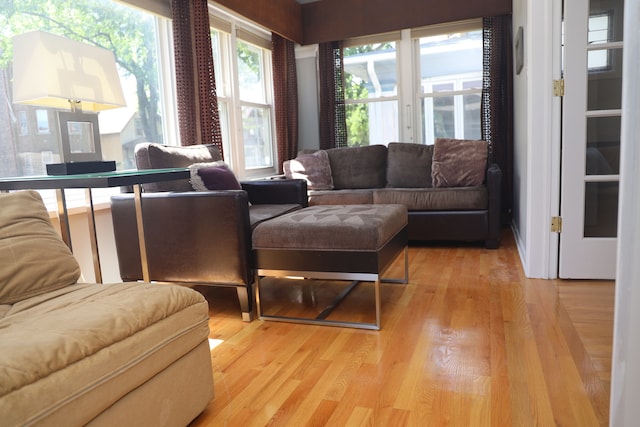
(50, 71)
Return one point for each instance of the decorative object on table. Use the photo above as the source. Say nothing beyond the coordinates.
(56, 72)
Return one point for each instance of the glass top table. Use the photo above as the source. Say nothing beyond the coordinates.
(124, 178)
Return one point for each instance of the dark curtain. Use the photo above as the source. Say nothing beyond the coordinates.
(285, 88)
(198, 116)
(333, 127)
(497, 102)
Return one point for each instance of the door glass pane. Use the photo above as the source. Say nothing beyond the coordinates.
(256, 132)
(605, 79)
(601, 209)
(603, 145)
(605, 21)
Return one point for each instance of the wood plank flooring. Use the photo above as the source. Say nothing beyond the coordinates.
(470, 341)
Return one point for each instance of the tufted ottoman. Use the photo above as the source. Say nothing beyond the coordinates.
(343, 242)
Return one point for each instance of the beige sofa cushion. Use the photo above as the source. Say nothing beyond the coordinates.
(458, 162)
(409, 165)
(70, 354)
(33, 258)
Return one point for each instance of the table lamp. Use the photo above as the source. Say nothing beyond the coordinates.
(56, 72)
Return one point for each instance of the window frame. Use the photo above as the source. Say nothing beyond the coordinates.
(232, 29)
(409, 94)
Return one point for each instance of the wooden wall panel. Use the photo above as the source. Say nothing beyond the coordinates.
(283, 17)
(329, 20)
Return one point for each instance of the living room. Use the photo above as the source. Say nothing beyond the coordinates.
(534, 184)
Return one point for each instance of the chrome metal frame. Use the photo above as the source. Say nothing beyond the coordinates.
(356, 278)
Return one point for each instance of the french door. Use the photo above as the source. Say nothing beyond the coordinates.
(592, 76)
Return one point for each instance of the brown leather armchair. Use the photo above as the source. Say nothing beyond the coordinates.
(201, 237)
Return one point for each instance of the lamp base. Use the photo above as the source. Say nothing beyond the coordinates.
(75, 168)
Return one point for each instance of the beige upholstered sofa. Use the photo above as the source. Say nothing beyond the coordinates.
(451, 190)
(91, 354)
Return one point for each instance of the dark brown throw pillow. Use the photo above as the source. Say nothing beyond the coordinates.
(458, 162)
(213, 176)
(314, 168)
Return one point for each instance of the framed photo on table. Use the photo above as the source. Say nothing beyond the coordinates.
(80, 137)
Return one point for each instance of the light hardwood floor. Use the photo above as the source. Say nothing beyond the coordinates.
(470, 341)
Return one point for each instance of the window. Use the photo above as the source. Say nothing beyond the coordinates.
(244, 84)
(438, 69)
(598, 33)
(371, 93)
(140, 43)
(451, 85)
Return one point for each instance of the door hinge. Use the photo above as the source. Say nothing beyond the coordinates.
(558, 87)
(556, 224)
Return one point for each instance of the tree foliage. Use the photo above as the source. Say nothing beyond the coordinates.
(356, 88)
(123, 30)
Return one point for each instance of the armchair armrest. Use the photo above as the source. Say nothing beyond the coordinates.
(191, 237)
(277, 191)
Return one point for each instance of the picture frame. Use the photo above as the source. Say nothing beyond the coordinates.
(80, 137)
(519, 48)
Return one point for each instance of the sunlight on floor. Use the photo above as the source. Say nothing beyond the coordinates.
(213, 343)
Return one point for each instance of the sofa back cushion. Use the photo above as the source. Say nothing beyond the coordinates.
(312, 167)
(409, 165)
(358, 167)
(158, 156)
(459, 162)
(33, 258)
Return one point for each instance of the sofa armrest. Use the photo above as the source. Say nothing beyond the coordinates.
(494, 189)
(277, 191)
(191, 237)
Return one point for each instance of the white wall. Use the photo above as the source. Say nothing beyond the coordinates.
(308, 101)
(537, 136)
(625, 375)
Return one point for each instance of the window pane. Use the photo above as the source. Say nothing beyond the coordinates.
(370, 71)
(601, 209)
(34, 139)
(604, 91)
(603, 145)
(452, 57)
(372, 123)
(256, 132)
(451, 81)
(250, 73)
(471, 117)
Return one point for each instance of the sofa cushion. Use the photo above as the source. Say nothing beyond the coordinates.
(313, 167)
(159, 156)
(434, 199)
(261, 213)
(213, 176)
(341, 197)
(458, 162)
(33, 258)
(358, 167)
(89, 345)
(409, 165)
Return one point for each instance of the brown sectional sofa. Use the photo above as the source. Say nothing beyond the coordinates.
(401, 173)
(90, 354)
